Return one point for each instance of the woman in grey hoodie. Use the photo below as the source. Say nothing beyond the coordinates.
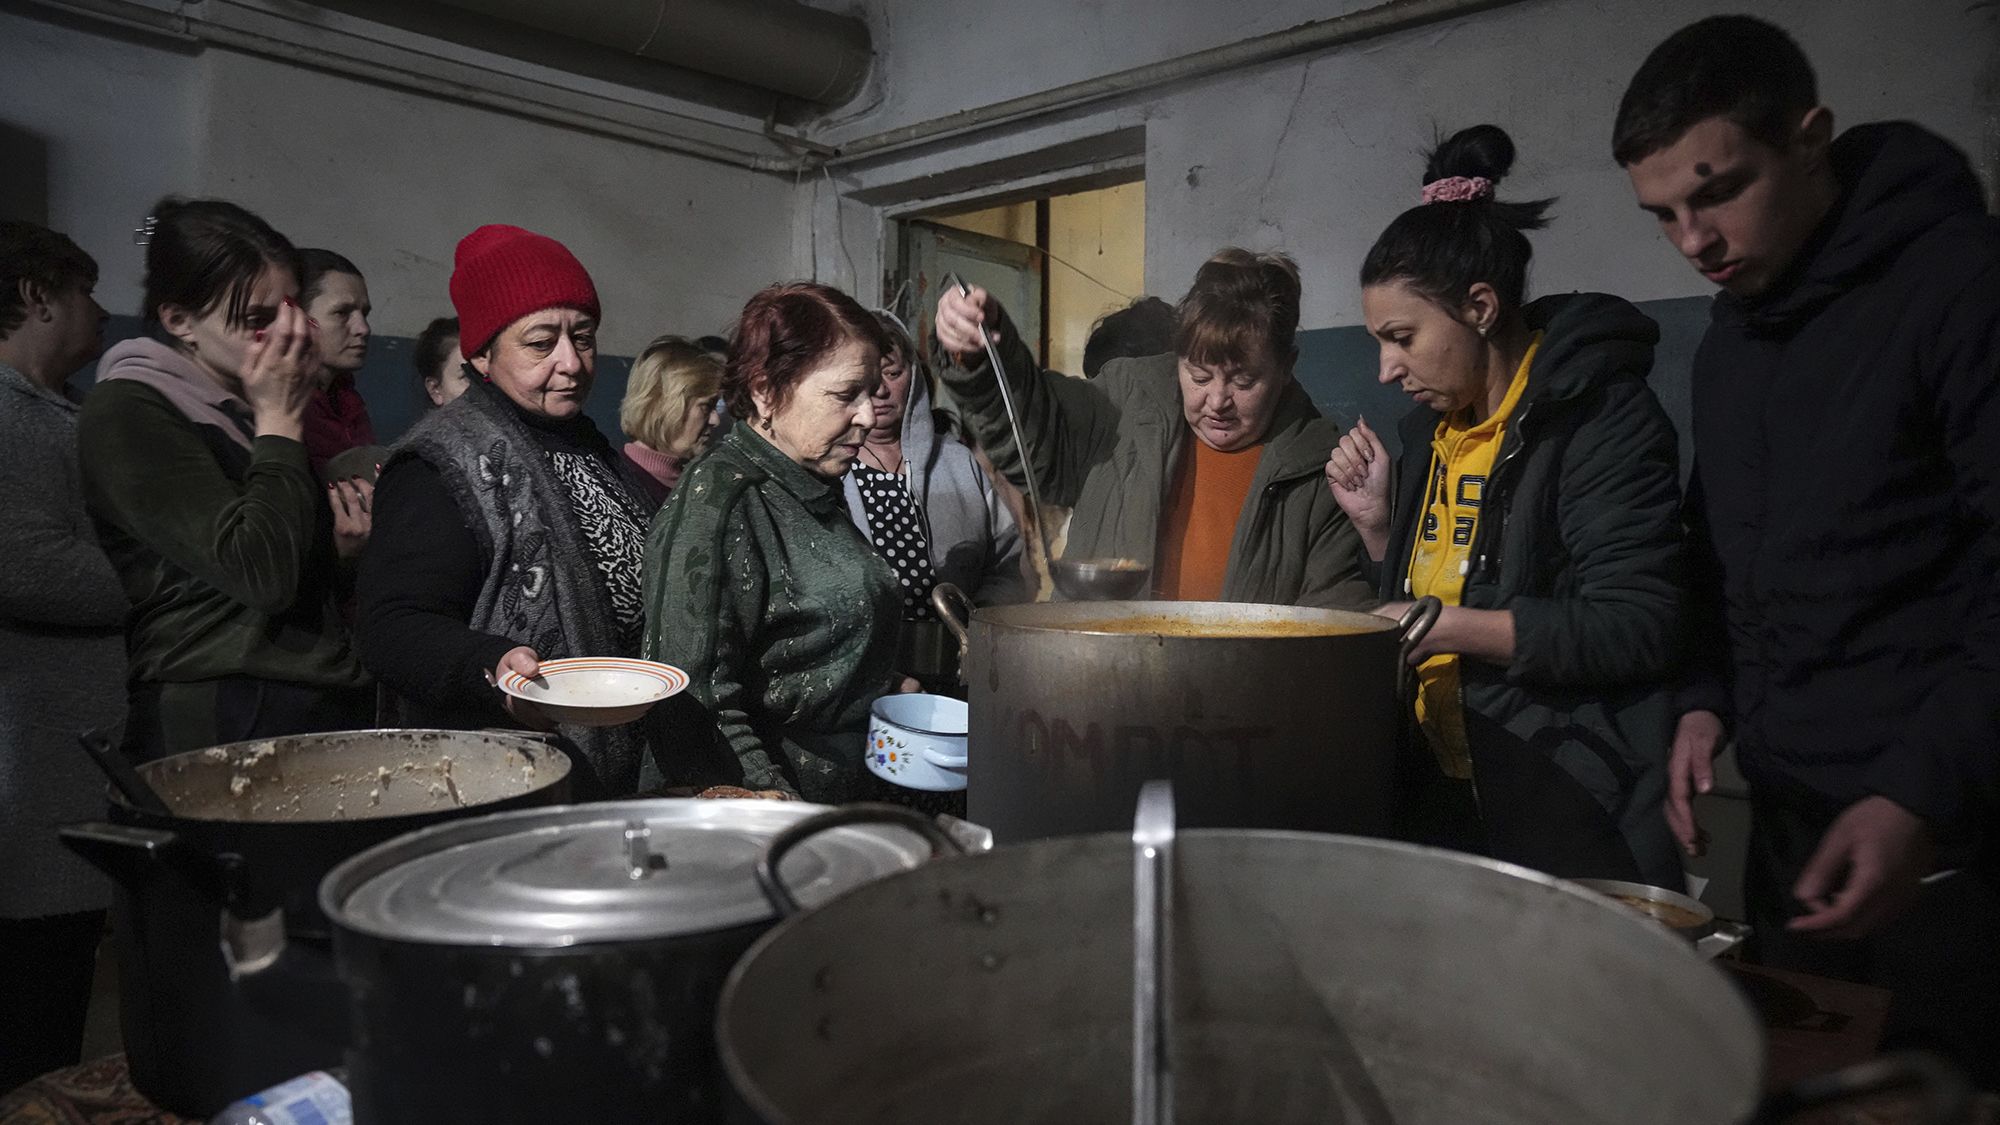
(919, 496)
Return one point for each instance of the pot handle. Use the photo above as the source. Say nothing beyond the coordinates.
(1414, 625)
(955, 610)
(129, 854)
(122, 851)
(118, 768)
(1947, 1095)
(942, 760)
(252, 945)
(306, 994)
(862, 813)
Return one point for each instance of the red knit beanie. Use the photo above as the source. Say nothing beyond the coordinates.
(501, 274)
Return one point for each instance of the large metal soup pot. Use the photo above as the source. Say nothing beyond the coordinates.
(563, 965)
(1263, 716)
(226, 960)
(1314, 979)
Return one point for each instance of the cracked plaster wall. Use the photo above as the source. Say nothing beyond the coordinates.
(392, 179)
(1316, 155)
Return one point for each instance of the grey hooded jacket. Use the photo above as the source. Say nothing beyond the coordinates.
(974, 543)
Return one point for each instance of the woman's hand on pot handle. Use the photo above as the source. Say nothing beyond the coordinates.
(1691, 770)
(280, 373)
(1357, 473)
(965, 321)
(900, 684)
(528, 664)
(1396, 611)
(1476, 634)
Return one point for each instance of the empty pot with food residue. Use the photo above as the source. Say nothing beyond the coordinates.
(228, 983)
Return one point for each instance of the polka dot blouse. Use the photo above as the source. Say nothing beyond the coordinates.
(897, 532)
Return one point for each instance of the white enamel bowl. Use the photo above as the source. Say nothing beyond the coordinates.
(917, 741)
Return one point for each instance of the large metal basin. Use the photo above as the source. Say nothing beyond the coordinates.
(1316, 979)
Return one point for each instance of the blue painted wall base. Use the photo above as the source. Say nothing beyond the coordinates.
(1337, 367)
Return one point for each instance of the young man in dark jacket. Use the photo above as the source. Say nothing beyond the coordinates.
(1847, 508)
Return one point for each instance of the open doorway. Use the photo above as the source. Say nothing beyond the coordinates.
(1058, 262)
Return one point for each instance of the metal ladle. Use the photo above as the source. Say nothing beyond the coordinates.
(1152, 960)
(1078, 580)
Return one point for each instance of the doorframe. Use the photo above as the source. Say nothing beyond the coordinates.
(1038, 191)
(852, 234)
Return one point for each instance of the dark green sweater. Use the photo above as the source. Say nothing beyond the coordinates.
(226, 553)
(786, 620)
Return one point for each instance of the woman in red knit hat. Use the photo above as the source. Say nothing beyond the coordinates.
(507, 529)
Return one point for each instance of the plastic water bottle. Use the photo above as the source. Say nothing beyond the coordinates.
(319, 1098)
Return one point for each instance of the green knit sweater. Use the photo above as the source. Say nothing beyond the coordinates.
(785, 619)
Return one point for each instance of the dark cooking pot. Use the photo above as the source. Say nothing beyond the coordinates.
(563, 964)
(227, 967)
(1263, 716)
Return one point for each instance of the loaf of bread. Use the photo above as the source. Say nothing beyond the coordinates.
(737, 792)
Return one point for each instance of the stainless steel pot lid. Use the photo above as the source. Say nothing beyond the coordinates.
(602, 872)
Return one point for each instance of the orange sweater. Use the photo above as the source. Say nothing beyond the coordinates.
(1200, 524)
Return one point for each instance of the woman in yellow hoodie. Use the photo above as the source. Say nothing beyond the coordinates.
(1537, 495)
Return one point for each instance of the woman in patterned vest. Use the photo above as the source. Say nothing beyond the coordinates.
(507, 529)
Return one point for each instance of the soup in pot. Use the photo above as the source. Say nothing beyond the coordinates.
(1165, 625)
(1674, 916)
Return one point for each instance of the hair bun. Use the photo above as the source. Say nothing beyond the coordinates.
(1482, 150)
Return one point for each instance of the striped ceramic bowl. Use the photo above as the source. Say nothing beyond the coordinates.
(596, 691)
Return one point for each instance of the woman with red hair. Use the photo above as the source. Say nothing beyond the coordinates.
(756, 581)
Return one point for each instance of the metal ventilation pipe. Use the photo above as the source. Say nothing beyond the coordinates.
(774, 45)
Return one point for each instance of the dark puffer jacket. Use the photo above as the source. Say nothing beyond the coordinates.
(1847, 450)
(1580, 538)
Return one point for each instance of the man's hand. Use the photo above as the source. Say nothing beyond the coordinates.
(1865, 871)
(1691, 770)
